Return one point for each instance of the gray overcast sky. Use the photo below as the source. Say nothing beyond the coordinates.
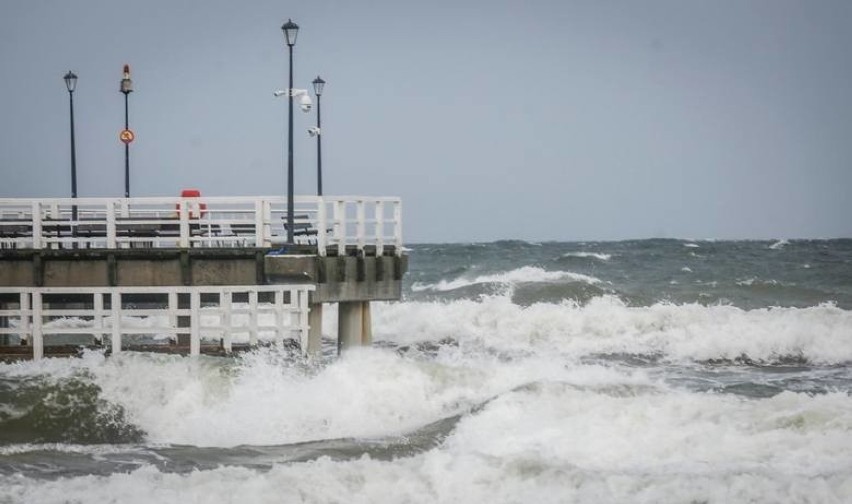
(537, 120)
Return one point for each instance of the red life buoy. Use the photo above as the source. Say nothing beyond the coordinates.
(196, 210)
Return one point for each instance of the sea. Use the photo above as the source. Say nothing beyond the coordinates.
(646, 371)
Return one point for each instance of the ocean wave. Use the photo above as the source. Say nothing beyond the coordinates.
(583, 255)
(526, 274)
(605, 324)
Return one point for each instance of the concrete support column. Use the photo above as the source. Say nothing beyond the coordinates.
(354, 327)
(315, 330)
(366, 324)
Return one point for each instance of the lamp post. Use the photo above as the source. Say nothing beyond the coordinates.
(126, 135)
(291, 30)
(319, 84)
(71, 84)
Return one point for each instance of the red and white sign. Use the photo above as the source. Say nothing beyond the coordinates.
(126, 136)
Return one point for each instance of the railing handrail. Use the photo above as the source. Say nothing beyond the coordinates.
(334, 222)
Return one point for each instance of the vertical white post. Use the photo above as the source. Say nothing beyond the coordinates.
(26, 317)
(125, 208)
(322, 228)
(340, 226)
(295, 309)
(259, 206)
(110, 224)
(397, 219)
(98, 322)
(38, 336)
(279, 317)
(195, 323)
(225, 306)
(173, 309)
(253, 317)
(380, 228)
(183, 215)
(37, 229)
(361, 225)
(115, 310)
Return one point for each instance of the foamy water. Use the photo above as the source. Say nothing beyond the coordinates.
(477, 398)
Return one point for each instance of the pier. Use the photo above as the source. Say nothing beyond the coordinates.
(202, 274)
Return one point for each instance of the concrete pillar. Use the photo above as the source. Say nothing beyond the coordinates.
(366, 324)
(315, 331)
(354, 327)
(349, 324)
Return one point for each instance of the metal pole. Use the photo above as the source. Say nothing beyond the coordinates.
(126, 151)
(73, 162)
(319, 149)
(290, 209)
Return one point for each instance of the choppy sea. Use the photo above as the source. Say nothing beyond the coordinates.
(650, 371)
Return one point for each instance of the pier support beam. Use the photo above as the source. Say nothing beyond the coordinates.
(354, 324)
(314, 349)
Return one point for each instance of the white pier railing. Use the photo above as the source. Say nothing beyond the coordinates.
(222, 313)
(330, 223)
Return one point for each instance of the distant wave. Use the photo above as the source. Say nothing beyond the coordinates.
(595, 255)
(779, 244)
(527, 274)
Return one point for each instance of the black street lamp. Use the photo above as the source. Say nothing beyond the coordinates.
(319, 84)
(71, 84)
(291, 30)
(126, 135)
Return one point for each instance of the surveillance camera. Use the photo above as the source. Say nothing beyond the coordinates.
(314, 131)
(305, 103)
(280, 92)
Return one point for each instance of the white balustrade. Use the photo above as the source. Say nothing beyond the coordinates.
(212, 312)
(203, 222)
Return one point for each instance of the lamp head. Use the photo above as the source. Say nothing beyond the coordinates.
(291, 30)
(70, 81)
(319, 84)
(126, 83)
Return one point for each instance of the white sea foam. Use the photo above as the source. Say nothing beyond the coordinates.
(779, 244)
(526, 274)
(554, 441)
(594, 255)
(691, 245)
(607, 325)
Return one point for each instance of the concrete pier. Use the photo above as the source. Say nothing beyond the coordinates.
(343, 257)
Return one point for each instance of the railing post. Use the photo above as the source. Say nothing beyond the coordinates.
(361, 224)
(98, 321)
(279, 317)
(195, 323)
(225, 306)
(261, 210)
(340, 226)
(253, 318)
(322, 228)
(26, 317)
(115, 310)
(37, 228)
(380, 228)
(397, 219)
(110, 224)
(183, 215)
(38, 335)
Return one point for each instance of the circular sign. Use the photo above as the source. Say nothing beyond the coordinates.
(126, 136)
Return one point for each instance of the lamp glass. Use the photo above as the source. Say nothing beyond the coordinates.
(70, 81)
(291, 30)
(319, 84)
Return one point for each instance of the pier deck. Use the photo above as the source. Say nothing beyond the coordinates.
(81, 259)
